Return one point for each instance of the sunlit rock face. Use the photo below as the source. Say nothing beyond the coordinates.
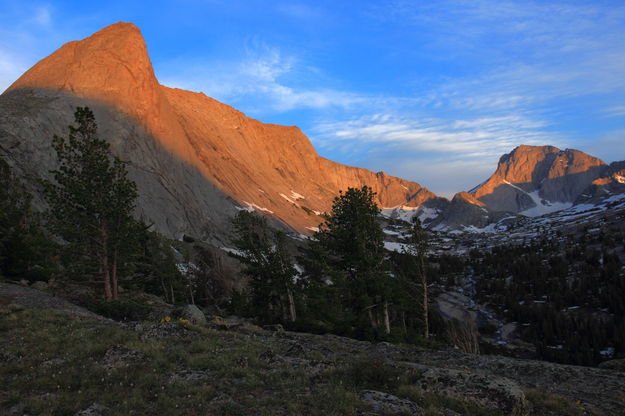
(195, 159)
(535, 180)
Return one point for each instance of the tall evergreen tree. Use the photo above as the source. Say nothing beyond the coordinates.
(416, 247)
(353, 241)
(269, 266)
(91, 200)
(26, 251)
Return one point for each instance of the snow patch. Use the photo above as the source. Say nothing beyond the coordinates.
(293, 198)
(296, 196)
(253, 207)
(391, 232)
(542, 205)
(608, 352)
(232, 251)
(406, 213)
(315, 229)
(393, 246)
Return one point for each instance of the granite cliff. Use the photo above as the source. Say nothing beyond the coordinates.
(194, 159)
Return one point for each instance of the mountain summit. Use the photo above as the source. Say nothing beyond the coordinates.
(181, 146)
(535, 180)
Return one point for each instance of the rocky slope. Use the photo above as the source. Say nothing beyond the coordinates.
(193, 157)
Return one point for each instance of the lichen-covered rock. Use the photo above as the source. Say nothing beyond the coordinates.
(189, 376)
(489, 391)
(388, 404)
(160, 330)
(93, 410)
(119, 356)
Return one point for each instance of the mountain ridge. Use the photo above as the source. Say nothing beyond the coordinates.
(257, 165)
(197, 160)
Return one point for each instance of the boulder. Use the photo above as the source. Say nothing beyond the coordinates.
(487, 391)
(39, 285)
(274, 328)
(93, 410)
(190, 312)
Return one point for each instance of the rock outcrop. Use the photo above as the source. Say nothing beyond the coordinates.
(192, 157)
(464, 212)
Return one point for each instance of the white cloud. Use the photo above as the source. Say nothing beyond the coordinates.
(616, 111)
(532, 52)
(442, 154)
(478, 137)
(266, 76)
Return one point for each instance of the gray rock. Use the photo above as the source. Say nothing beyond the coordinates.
(119, 356)
(615, 365)
(189, 376)
(192, 313)
(274, 328)
(39, 285)
(388, 404)
(93, 410)
(173, 194)
(160, 330)
(487, 391)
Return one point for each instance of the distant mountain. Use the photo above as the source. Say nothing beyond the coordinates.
(535, 180)
(195, 160)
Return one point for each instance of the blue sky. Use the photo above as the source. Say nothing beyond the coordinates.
(434, 92)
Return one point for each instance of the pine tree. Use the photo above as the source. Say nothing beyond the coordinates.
(269, 266)
(416, 247)
(353, 240)
(91, 200)
(26, 251)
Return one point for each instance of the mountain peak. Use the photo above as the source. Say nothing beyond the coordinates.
(112, 65)
(533, 176)
(270, 168)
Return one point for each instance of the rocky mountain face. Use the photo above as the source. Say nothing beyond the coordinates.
(535, 180)
(195, 160)
(466, 211)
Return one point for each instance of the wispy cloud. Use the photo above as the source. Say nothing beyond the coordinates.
(266, 76)
(616, 111)
(469, 138)
(445, 155)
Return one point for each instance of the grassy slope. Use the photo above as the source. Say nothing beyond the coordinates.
(57, 364)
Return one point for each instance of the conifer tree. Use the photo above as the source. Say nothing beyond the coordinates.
(26, 251)
(417, 249)
(353, 240)
(91, 200)
(269, 267)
